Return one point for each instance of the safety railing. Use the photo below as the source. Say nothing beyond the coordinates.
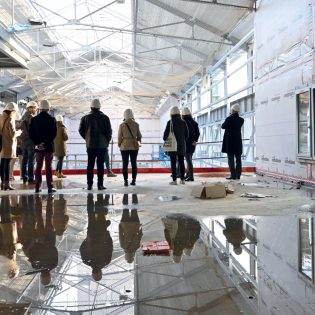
(151, 155)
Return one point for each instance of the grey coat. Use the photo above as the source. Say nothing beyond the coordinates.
(181, 133)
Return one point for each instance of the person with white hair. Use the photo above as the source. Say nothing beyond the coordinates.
(60, 145)
(95, 128)
(129, 137)
(178, 126)
(27, 144)
(232, 141)
(9, 142)
(42, 132)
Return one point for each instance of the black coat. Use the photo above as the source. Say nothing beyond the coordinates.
(194, 133)
(181, 134)
(96, 129)
(43, 129)
(232, 139)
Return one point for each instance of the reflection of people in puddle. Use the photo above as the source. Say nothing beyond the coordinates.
(96, 250)
(130, 230)
(43, 253)
(60, 217)
(234, 233)
(181, 232)
(8, 240)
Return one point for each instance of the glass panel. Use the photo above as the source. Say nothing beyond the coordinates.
(237, 80)
(306, 247)
(304, 134)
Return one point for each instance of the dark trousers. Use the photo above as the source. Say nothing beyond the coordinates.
(235, 165)
(98, 155)
(190, 168)
(59, 164)
(40, 156)
(28, 164)
(5, 169)
(181, 164)
(125, 159)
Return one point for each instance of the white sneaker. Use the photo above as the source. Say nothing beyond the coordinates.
(173, 182)
(182, 181)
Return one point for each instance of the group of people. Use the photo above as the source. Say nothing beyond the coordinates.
(42, 136)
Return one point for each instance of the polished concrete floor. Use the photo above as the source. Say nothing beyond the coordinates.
(79, 251)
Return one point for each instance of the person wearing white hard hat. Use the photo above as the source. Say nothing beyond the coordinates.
(178, 127)
(129, 137)
(60, 145)
(27, 144)
(190, 142)
(95, 128)
(9, 142)
(232, 142)
(19, 152)
(42, 132)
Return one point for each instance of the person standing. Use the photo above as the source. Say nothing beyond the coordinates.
(179, 127)
(96, 129)
(232, 141)
(60, 145)
(42, 131)
(9, 143)
(190, 142)
(129, 136)
(27, 144)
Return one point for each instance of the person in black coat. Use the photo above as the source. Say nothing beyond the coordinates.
(232, 141)
(96, 130)
(190, 142)
(42, 132)
(234, 233)
(181, 134)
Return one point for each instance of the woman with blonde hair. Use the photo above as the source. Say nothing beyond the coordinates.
(129, 136)
(60, 145)
(9, 143)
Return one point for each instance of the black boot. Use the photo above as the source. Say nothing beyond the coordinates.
(126, 183)
(133, 182)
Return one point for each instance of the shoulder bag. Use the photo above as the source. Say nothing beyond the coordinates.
(170, 144)
(2, 132)
(136, 143)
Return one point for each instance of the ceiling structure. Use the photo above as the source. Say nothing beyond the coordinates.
(129, 53)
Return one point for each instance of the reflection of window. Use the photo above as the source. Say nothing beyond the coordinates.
(306, 260)
(304, 133)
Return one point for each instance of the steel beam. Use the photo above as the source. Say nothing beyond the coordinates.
(215, 2)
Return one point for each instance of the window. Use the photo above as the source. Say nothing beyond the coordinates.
(306, 253)
(304, 130)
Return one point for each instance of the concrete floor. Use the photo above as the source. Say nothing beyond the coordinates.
(151, 276)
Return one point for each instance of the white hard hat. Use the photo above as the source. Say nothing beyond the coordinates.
(236, 108)
(11, 107)
(175, 110)
(96, 103)
(59, 118)
(31, 104)
(186, 111)
(44, 104)
(128, 113)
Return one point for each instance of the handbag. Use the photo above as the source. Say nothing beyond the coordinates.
(170, 144)
(136, 143)
(2, 132)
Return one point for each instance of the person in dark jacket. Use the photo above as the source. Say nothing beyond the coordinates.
(190, 142)
(97, 249)
(234, 233)
(181, 134)
(42, 132)
(96, 129)
(232, 141)
(27, 144)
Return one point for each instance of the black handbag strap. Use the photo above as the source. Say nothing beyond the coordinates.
(130, 131)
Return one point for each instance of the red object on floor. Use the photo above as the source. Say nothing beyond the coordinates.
(156, 248)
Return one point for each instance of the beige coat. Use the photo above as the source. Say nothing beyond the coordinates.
(60, 140)
(8, 136)
(126, 141)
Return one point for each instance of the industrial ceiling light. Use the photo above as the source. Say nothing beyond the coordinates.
(121, 1)
(37, 22)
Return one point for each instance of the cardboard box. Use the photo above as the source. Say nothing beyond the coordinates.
(209, 191)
